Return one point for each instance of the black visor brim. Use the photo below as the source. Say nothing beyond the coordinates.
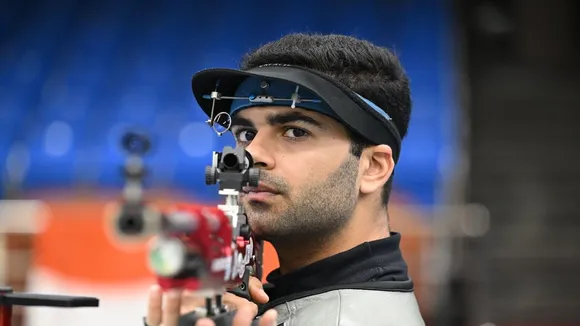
(354, 112)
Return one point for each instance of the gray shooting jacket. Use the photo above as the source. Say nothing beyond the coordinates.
(364, 286)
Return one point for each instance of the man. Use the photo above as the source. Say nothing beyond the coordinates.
(327, 164)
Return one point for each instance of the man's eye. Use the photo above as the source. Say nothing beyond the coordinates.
(295, 133)
(245, 135)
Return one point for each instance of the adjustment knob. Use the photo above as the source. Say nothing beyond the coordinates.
(253, 177)
(210, 175)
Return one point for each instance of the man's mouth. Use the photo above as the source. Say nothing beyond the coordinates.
(259, 189)
(259, 193)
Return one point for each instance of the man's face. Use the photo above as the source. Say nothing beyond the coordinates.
(308, 183)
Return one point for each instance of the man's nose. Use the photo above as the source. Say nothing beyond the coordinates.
(261, 152)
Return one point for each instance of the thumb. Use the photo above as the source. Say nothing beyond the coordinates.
(257, 291)
(244, 316)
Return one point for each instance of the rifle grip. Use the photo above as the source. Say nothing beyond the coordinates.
(243, 290)
(225, 319)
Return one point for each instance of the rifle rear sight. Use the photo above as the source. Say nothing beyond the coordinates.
(233, 168)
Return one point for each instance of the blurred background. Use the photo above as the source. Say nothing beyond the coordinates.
(486, 194)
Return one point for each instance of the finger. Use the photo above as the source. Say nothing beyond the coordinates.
(234, 302)
(204, 322)
(171, 309)
(257, 291)
(154, 306)
(269, 318)
(191, 301)
(244, 316)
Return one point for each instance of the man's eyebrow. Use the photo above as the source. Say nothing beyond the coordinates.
(288, 117)
(242, 122)
(276, 119)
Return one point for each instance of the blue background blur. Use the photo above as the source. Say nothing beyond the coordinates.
(75, 74)
(491, 145)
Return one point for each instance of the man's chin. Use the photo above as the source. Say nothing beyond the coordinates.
(261, 224)
(260, 233)
(258, 206)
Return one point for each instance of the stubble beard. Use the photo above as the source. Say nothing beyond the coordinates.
(314, 214)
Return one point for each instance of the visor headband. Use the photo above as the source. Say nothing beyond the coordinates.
(256, 91)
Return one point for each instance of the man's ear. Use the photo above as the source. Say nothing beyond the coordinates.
(378, 167)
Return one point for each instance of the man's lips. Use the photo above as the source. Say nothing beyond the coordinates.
(260, 193)
(259, 189)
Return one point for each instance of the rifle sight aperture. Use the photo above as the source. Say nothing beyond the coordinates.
(230, 161)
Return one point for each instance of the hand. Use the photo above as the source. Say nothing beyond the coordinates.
(257, 293)
(181, 302)
(246, 310)
(244, 317)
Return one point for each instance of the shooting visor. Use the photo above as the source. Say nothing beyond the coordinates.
(221, 90)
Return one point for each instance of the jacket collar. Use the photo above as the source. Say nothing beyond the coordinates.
(379, 260)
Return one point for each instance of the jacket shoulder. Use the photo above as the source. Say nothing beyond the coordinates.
(350, 307)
